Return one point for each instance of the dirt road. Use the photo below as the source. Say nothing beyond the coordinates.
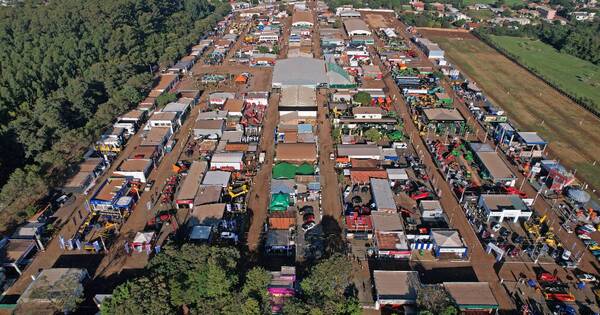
(260, 191)
(481, 262)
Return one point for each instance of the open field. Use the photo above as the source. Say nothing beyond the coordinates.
(482, 14)
(578, 77)
(573, 132)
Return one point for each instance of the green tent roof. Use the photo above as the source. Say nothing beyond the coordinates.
(284, 170)
(279, 202)
(305, 169)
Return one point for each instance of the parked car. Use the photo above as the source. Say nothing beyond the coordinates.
(586, 277)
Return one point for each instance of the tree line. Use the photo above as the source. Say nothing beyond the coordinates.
(202, 279)
(579, 39)
(67, 69)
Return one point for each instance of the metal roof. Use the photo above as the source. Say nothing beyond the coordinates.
(299, 71)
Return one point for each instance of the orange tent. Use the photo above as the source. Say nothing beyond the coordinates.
(242, 78)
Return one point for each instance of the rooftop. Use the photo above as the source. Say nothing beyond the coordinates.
(299, 71)
(396, 284)
(134, 165)
(297, 96)
(208, 214)
(462, 293)
(386, 222)
(296, 152)
(442, 114)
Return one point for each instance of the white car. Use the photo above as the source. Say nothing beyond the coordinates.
(586, 277)
(584, 237)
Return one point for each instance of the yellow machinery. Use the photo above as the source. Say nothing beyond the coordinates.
(236, 191)
(336, 112)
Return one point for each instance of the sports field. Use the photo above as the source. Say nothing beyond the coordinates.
(576, 76)
(573, 132)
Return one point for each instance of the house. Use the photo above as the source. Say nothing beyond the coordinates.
(207, 194)
(547, 12)
(206, 215)
(221, 178)
(89, 169)
(130, 121)
(418, 6)
(296, 153)
(227, 161)
(279, 242)
(430, 209)
(208, 128)
(112, 198)
(395, 288)
(165, 83)
(383, 195)
(300, 99)
(219, 98)
(367, 112)
(16, 253)
(499, 207)
(492, 167)
(356, 26)
(257, 98)
(164, 119)
(483, 302)
(431, 49)
(180, 109)
(147, 104)
(187, 190)
(158, 137)
(388, 235)
(349, 14)
(135, 168)
(304, 19)
(583, 16)
(447, 241)
(234, 107)
(359, 151)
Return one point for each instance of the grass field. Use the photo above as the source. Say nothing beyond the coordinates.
(575, 76)
(573, 132)
(483, 14)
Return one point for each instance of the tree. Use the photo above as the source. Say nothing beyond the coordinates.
(74, 68)
(363, 98)
(199, 278)
(64, 294)
(373, 135)
(434, 299)
(327, 290)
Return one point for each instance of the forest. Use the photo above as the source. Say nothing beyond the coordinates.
(68, 68)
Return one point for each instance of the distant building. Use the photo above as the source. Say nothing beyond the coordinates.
(546, 12)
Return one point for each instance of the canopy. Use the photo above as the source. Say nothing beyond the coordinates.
(284, 170)
(279, 202)
(305, 169)
(578, 195)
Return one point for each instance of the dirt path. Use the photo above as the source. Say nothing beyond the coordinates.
(481, 262)
(261, 189)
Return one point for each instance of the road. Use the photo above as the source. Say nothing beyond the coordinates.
(482, 263)
(541, 206)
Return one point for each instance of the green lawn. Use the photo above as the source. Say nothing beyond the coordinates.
(574, 75)
(483, 14)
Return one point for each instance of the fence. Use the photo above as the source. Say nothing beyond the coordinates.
(533, 71)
